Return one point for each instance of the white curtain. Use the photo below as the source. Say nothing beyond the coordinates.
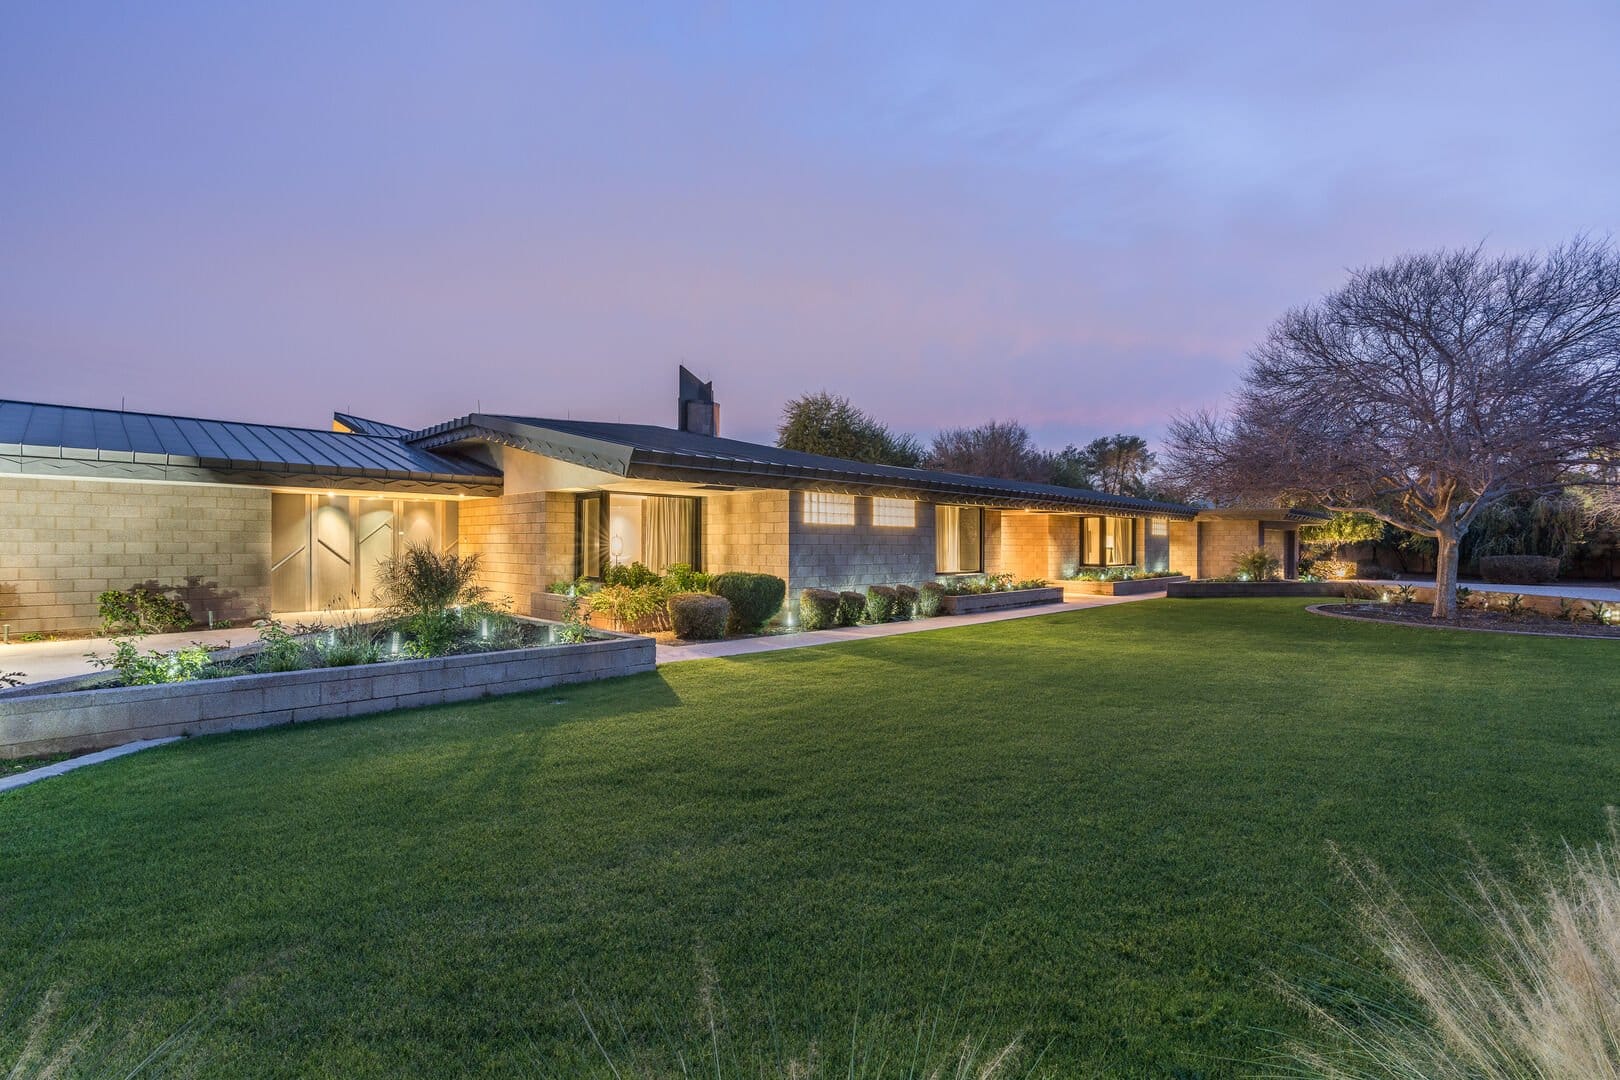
(666, 531)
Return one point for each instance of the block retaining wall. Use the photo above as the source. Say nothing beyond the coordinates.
(45, 723)
(973, 603)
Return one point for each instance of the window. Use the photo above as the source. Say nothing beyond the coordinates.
(894, 513)
(1108, 541)
(654, 530)
(1159, 526)
(327, 550)
(958, 539)
(822, 508)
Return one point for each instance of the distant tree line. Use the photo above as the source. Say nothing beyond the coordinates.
(824, 423)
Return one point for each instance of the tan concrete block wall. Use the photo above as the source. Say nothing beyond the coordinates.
(1220, 542)
(524, 541)
(1026, 540)
(862, 554)
(746, 530)
(63, 542)
(1184, 548)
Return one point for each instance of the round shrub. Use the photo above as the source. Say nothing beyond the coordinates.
(755, 598)
(930, 599)
(879, 604)
(699, 616)
(905, 601)
(851, 606)
(1518, 569)
(818, 609)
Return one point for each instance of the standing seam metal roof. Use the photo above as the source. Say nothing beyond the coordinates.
(35, 430)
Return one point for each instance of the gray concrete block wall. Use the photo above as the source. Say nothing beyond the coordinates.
(854, 556)
(65, 541)
(42, 723)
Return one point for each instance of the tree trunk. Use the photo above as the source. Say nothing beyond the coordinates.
(1445, 575)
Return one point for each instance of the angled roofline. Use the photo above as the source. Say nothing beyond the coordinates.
(360, 425)
(624, 450)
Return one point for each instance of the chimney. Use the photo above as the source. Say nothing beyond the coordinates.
(699, 414)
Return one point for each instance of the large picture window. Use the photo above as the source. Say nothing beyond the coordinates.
(654, 530)
(1107, 541)
(958, 539)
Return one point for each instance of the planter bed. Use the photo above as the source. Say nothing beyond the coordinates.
(971, 603)
(1201, 590)
(1496, 622)
(1127, 587)
(49, 718)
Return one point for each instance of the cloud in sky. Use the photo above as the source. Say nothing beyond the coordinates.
(1078, 218)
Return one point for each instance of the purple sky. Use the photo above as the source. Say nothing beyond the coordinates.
(1076, 218)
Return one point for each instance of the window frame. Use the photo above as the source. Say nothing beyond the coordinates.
(909, 505)
(979, 569)
(1102, 545)
(805, 504)
(605, 556)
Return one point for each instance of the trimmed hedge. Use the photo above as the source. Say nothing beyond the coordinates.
(905, 601)
(930, 599)
(1518, 569)
(755, 598)
(818, 609)
(851, 606)
(699, 616)
(880, 600)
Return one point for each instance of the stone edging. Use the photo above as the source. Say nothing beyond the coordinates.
(1327, 609)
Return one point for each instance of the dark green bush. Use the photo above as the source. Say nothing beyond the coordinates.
(905, 601)
(699, 616)
(1518, 569)
(680, 577)
(851, 606)
(755, 598)
(141, 609)
(879, 604)
(930, 599)
(818, 609)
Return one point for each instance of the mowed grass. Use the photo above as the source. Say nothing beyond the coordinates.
(1104, 834)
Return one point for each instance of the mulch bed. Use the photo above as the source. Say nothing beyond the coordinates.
(1472, 619)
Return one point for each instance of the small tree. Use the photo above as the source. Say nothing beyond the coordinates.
(1423, 392)
(827, 424)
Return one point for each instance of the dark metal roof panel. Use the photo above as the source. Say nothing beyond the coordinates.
(655, 448)
(34, 429)
(360, 425)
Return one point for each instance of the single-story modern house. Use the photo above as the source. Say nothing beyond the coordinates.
(248, 518)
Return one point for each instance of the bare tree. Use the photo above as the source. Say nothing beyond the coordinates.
(1423, 392)
(1000, 448)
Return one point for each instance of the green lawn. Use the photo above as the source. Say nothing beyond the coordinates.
(1103, 833)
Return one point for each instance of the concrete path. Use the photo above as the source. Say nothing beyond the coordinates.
(669, 654)
(45, 772)
(1608, 593)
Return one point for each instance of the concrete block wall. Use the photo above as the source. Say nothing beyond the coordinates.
(65, 541)
(1184, 548)
(850, 556)
(525, 542)
(1222, 541)
(746, 530)
(1038, 545)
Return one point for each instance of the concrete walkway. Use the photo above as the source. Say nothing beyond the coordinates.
(669, 654)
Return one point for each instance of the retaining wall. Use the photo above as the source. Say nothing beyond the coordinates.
(46, 723)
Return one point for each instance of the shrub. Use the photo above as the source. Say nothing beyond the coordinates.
(141, 609)
(421, 581)
(905, 601)
(818, 609)
(851, 606)
(1333, 569)
(755, 598)
(1256, 565)
(631, 575)
(930, 599)
(279, 649)
(699, 616)
(1118, 573)
(1518, 569)
(631, 607)
(680, 577)
(879, 604)
(136, 668)
(1027, 583)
